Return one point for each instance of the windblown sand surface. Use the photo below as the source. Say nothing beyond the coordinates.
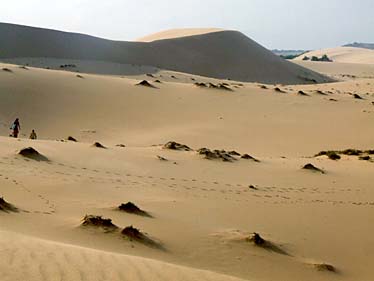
(201, 212)
(153, 174)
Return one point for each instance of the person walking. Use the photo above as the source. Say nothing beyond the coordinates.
(16, 127)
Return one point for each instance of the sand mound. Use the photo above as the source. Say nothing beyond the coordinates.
(258, 241)
(7, 69)
(131, 208)
(357, 96)
(98, 145)
(216, 155)
(220, 86)
(135, 234)
(145, 83)
(220, 54)
(234, 153)
(31, 153)
(277, 89)
(325, 267)
(176, 146)
(343, 55)
(249, 157)
(99, 222)
(200, 85)
(7, 207)
(302, 93)
(311, 167)
(70, 138)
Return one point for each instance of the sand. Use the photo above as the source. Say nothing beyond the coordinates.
(201, 211)
(343, 55)
(177, 33)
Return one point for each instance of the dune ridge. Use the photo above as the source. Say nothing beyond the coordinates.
(222, 54)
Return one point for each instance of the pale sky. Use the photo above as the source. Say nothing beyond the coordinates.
(282, 24)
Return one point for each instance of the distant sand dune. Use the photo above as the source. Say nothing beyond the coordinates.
(218, 54)
(344, 55)
(177, 33)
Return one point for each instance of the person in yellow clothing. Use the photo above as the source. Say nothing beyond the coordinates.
(33, 135)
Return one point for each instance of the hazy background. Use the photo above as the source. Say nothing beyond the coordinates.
(282, 24)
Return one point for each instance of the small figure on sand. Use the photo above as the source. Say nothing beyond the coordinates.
(16, 127)
(33, 135)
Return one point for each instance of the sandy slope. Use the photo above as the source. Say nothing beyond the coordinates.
(58, 104)
(344, 55)
(202, 210)
(56, 261)
(177, 33)
(341, 71)
(223, 55)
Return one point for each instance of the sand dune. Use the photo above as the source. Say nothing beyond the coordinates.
(53, 105)
(181, 176)
(177, 33)
(223, 54)
(344, 55)
(203, 211)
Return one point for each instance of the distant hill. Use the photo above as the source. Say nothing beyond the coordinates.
(288, 52)
(361, 45)
(218, 54)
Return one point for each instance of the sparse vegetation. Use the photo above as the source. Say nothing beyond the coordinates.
(145, 83)
(68, 66)
(98, 145)
(330, 154)
(131, 208)
(7, 207)
(176, 146)
(32, 153)
(313, 168)
(134, 234)
(335, 155)
(70, 138)
(325, 267)
(99, 221)
(277, 89)
(249, 157)
(324, 58)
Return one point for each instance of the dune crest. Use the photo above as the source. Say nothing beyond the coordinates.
(177, 33)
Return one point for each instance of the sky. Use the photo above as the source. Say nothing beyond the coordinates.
(281, 24)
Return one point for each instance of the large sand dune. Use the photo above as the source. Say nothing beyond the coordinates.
(344, 55)
(224, 54)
